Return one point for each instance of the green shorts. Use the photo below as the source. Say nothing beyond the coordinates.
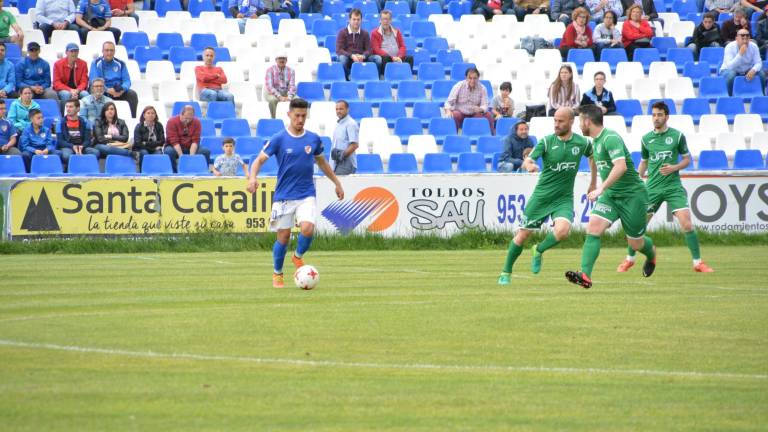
(677, 199)
(630, 209)
(537, 211)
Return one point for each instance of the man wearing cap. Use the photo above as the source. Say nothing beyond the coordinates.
(70, 75)
(115, 74)
(53, 15)
(210, 79)
(7, 22)
(279, 83)
(34, 72)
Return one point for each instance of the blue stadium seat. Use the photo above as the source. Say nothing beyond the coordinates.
(455, 145)
(220, 110)
(723, 17)
(330, 43)
(441, 89)
(395, 73)
(713, 160)
(457, 8)
(670, 104)
(403, 163)
(276, 17)
(696, 71)
(580, 56)
(421, 30)
(435, 44)
(441, 127)
(212, 143)
(411, 92)
(431, 72)
(369, 164)
(747, 89)
(759, 105)
(448, 58)
(505, 125)
(83, 165)
(197, 6)
(46, 165)
(392, 111)
(179, 54)
(208, 126)
(420, 56)
(488, 88)
(680, 56)
(201, 41)
(344, 90)
(269, 168)
(398, 7)
(309, 21)
(328, 73)
(613, 56)
(235, 127)
(167, 40)
(311, 91)
(376, 92)
(459, 70)
(730, 106)
(131, 40)
(322, 28)
(342, 19)
(327, 145)
(265, 128)
(164, 6)
(49, 108)
(584, 165)
(179, 106)
(247, 145)
(119, 165)
(471, 163)
(646, 56)
(362, 73)
(426, 111)
(435, 163)
(713, 88)
(488, 145)
(696, 18)
(145, 54)
(222, 54)
(24, 5)
(425, 9)
(405, 127)
(684, 7)
(663, 44)
(628, 108)
(156, 164)
(333, 7)
(696, 107)
(193, 165)
(475, 127)
(636, 157)
(359, 110)
(12, 166)
(12, 52)
(366, 7)
(713, 56)
(748, 160)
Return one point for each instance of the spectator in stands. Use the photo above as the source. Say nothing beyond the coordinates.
(598, 8)
(279, 83)
(226, 164)
(636, 31)
(742, 58)
(647, 8)
(148, 135)
(18, 113)
(110, 133)
(606, 35)
(531, 7)
(115, 74)
(245, 10)
(414, 3)
(36, 139)
(562, 10)
(733, 25)
(7, 134)
(752, 6)
(7, 76)
(75, 134)
(600, 96)
(564, 92)
(502, 105)
(53, 15)
(469, 98)
(387, 42)
(311, 6)
(95, 15)
(93, 103)
(210, 79)
(517, 146)
(123, 8)
(706, 34)
(183, 136)
(34, 72)
(8, 22)
(353, 43)
(716, 7)
(489, 8)
(578, 34)
(761, 35)
(70, 75)
(278, 6)
(345, 141)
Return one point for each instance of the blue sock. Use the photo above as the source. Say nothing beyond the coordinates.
(278, 255)
(303, 245)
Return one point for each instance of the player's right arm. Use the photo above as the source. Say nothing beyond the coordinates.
(253, 181)
(529, 164)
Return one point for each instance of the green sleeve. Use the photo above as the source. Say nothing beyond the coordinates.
(538, 151)
(643, 149)
(682, 145)
(614, 146)
(588, 149)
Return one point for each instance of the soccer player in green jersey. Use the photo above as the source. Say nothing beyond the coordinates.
(621, 195)
(553, 195)
(660, 151)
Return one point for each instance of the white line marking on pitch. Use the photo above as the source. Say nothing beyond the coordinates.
(146, 258)
(365, 365)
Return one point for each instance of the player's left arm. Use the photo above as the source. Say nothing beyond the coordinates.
(326, 168)
(642, 168)
(592, 174)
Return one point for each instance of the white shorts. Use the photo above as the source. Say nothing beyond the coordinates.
(285, 214)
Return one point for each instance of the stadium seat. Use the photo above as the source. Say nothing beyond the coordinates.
(162, 7)
(471, 163)
(748, 160)
(235, 127)
(747, 89)
(333, 7)
(759, 141)
(411, 92)
(46, 165)
(386, 146)
(713, 56)
(475, 128)
(636, 157)
(372, 129)
(420, 56)
(679, 89)
(729, 142)
(376, 92)
(505, 125)
(369, 164)
(646, 56)
(366, 7)
(179, 106)
(437, 163)
(670, 103)
(712, 124)
(696, 107)
(458, 70)
(310, 91)
(269, 168)
(392, 111)
(212, 143)
(629, 108)
(403, 163)
(145, 54)
(488, 145)
(265, 128)
(713, 160)
(454, 145)
(405, 127)
(198, 6)
(179, 54)
(201, 41)
(448, 58)
(362, 73)
(580, 57)
(421, 30)
(425, 111)
(156, 164)
(680, 56)
(645, 89)
(696, 71)
(358, 110)
(193, 165)
(425, 9)
(759, 106)
(328, 73)
(132, 40)
(119, 165)
(729, 106)
(431, 72)
(441, 89)
(747, 124)
(713, 88)
(12, 166)
(220, 110)
(49, 108)
(247, 145)
(344, 90)
(420, 145)
(83, 165)
(167, 40)
(613, 56)
(435, 44)
(394, 73)
(208, 126)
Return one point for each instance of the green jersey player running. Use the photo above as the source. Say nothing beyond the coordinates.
(621, 195)
(553, 196)
(660, 151)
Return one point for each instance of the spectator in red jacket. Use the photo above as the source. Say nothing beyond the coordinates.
(210, 79)
(182, 136)
(70, 75)
(578, 34)
(636, 32)
(388, 43)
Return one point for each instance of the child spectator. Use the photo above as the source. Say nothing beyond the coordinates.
(226, 164)
(502, 105)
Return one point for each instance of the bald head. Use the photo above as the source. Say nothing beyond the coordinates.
(563, 122)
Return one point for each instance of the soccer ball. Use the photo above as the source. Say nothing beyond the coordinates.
(306, 277)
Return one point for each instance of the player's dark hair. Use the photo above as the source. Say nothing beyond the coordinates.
(342, 101)
(593, 113)
(227, 140)
(471, 70)
(506, 85)
(661, 105)
(298, 103)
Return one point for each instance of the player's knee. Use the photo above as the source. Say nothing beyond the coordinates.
(283, 236)
(521, 236)
(561, 233)
(307, 229)
(636, 244)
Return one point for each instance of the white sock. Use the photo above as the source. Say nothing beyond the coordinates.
(696, 262)
(631, 258)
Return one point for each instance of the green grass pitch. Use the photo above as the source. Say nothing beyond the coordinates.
(406, 341)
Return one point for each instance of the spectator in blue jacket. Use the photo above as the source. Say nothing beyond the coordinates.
(95, 15)
(7, 76)
(53, 15)
(7, 134)
(18, 113)
(116, 78)
(517, 146)
(35, 73)
(36, 139)
(74, 134)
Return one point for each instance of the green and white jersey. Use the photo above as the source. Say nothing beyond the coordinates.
(560, 164)
(660, 149)
(609, 147)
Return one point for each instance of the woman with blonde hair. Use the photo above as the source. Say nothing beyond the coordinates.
(564, 92)
(636, 31)
(578, 34)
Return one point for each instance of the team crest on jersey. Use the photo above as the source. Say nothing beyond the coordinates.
(39, 71)
(5, 19)
(668, 141)
(308, 149)
(575, 151)
(3, 128)
(114, 68)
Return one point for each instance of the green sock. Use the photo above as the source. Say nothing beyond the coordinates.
(693, 244)
(631, 252)
(647, 248)
(549, 242)
(512, 254)
(589, 254)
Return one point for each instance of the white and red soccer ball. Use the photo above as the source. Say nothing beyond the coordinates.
(306, 277)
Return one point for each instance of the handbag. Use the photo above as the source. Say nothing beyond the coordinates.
(534, 111)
